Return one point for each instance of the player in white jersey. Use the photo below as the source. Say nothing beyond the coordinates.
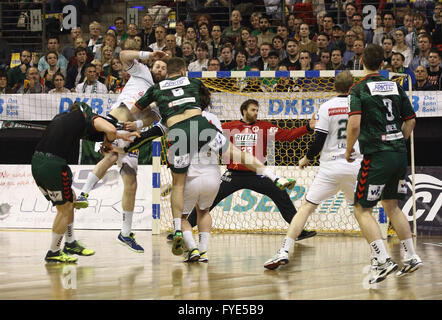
(141, 79)
(334, 173)
(201, 187)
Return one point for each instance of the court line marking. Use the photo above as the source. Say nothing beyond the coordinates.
(434, 244)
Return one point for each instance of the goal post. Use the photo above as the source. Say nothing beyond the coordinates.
(287, 99)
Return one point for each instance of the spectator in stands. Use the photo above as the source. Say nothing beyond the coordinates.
(437, 33)
(106, 59)
(264, 51)
(172, 46)
(147, 33)
(204, 34)
(319, 26)
(213, 65)
(355, 62)
(387, 44)
(422, 83)
(96, 39)
(433, 20)
(265, 33)
(305, 43)
(215, 44)
(350, 10)
(401, 47)
(81, 43)
(58, 84)
(424, 46)
(132, 30)
(234, 30)
(5, 53)
(254, 22)
(120, 28)
(75, 74)
(328, 25)
(160, 39)
(322, 43)
(69, 50)
(191, 36)
(114, 79)
(90, 84)
(200, 64)
(227, 61)
(336, 59)
(139, 42)
(350, 37)
(319, 66)
(397, 66)
(282, 31)
(48, 74)
(188, 52)
(33, 83)
(292, 60)
(434, 70)
(411, 39)
(407, 23)
(53, 45)
(242, 41)
(109, 40)
(180, 30)
(305, 60)
(241, 61)
(100, 72)
(337, 41)
(325, 58)
(389, 21)
(17, 74)
(278, 46)
(357, 22)
(252, 50)
(4, 89)
(273, 61)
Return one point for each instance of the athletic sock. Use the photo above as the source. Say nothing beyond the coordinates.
(269, 174)
(69, 234)
(92, 179)
(177, 223)
(379, 251)
(189, 240)
(127, 223)
(56, 241)
(287, 244)
(408, 248)
(204, 241)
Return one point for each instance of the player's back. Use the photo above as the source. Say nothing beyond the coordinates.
(333, 119)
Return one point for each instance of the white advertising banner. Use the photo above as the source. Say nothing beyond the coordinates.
(22, 205)
(43, 107)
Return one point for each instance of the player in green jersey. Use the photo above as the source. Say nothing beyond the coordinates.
(179, 101)
(53, 175)
(381, 118)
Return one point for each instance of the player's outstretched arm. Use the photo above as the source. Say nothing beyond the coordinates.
(128, 56)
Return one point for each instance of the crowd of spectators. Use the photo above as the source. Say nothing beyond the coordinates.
(411, 41)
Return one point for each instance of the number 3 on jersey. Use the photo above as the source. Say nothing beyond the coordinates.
(389, 104)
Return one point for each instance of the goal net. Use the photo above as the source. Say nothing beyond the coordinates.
(287, 99)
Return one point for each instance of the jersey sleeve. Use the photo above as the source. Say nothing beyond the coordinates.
(140, 70)
(407, 111)
(146, 99)
(322, 124)
(355, 102)
(287, 134)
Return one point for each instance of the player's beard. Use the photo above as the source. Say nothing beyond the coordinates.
(251, 118)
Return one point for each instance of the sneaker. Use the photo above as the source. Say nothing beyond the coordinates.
(281, 258)
(410, 265)
(305, 234)
(193, 255)
(130, 242)
(77, 248)
(203, 257)
(380, 271)
(59, 257)
(285, 183)
(81, 201)
(177, 243)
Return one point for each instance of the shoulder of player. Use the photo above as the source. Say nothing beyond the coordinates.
(232, 124)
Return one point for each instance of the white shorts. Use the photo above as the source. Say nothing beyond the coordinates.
(131, 158)
(201, 190)
(329, 180)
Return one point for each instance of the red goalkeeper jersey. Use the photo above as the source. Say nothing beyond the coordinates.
(255, 137)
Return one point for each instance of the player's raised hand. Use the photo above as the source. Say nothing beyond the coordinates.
(130, 126)
(127, 136)
(313, 121)
(158, 55)
(303, 163)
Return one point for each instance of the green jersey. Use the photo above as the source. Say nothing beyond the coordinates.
(383, 106)
(172, 96)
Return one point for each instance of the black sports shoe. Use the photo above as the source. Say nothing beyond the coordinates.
(170, 237)
(306, 234)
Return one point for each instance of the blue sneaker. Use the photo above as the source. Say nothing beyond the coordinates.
(130, 242)
(81, 202)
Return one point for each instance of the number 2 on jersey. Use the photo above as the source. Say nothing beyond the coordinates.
(342, 131)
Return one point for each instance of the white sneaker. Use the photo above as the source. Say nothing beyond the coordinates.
(410, 265)
(380, 271)
(281, 258)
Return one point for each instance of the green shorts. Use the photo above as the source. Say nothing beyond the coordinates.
(381, 177)
(53, 177)
(187, 138)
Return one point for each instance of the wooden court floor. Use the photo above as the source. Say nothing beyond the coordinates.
(322, 267)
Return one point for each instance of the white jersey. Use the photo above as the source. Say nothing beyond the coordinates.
(206, 162)
(140, 80)
(333, 118)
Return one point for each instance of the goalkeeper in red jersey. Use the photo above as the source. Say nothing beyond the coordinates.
(252, 136)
